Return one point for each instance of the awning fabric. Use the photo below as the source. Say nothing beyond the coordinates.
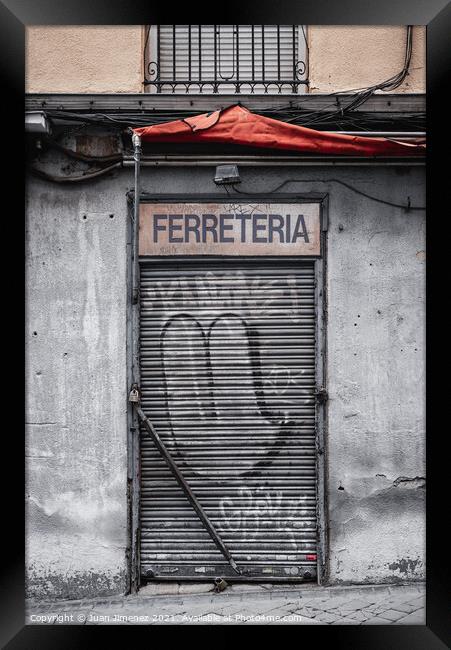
(238, 125)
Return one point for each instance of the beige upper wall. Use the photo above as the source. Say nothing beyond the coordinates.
(348, 57)
(84, 59)
(109, 59)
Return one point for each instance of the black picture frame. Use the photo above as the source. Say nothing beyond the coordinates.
(436, 14)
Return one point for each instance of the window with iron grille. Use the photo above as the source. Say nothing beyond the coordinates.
(226, 59)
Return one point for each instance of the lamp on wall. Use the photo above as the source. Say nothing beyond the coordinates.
(37, 122)
(227, 175)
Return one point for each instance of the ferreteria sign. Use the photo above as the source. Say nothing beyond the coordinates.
(229, 229)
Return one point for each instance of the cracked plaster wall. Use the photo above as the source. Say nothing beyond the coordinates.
(376, 375)
(76, 428)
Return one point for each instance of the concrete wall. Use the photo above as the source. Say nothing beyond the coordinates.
(76, 365)
(84, 59)
(106, 59)
(376, 368)
(76, 452)
(347, 57)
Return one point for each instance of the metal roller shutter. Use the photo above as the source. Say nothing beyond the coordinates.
(228, 380)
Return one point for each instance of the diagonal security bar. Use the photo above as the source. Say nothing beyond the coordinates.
(186, 488)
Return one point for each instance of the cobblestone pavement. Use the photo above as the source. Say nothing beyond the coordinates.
(159, 604)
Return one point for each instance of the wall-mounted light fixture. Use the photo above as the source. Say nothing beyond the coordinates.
(227, 175)
(37, 122)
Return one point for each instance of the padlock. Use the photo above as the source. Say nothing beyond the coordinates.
(134, 396)
(220, 584)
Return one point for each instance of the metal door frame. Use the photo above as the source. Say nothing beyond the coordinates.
(133, 373)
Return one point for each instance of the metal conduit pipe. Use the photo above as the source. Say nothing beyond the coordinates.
(261, 161)
(382, 134)
(136, 139)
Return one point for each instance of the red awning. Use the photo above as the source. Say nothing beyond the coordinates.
(237, 125)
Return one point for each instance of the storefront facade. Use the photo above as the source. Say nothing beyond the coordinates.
(374, 341)
(276, 337)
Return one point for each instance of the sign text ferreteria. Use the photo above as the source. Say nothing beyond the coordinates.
(229, 229)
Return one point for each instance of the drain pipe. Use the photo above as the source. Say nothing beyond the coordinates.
(136, 140)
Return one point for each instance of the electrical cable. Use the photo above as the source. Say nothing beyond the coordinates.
(407, 207)
(362, 94)
(285, 111)
(360, 120)
(73, 179)
(389, 84)
(308, 118)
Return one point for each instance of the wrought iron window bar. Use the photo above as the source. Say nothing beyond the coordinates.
(249, 70)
